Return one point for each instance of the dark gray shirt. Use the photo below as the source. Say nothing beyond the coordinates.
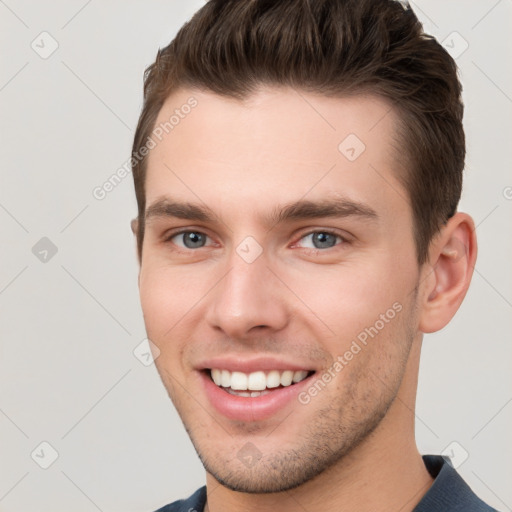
(448, 493)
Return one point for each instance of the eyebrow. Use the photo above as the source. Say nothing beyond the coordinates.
(337, 208)
(298, 210)
(181, 210)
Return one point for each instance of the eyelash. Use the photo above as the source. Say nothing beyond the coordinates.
(168, 238)
(343, 240)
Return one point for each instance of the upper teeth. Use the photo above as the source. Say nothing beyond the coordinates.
(256, 381)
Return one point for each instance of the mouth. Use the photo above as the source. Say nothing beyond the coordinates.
(257, 395)
(255, 384)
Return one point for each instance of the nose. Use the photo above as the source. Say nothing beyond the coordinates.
(247, 300)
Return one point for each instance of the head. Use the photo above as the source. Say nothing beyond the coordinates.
(297, 167)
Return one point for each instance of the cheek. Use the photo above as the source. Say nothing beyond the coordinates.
(347, 298)
(369, 362)
(168, 295)
(162, 309)
(167, 301)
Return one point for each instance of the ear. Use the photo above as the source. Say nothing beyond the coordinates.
(452, 258)
(134, 224)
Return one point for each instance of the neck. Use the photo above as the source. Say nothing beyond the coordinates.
(384, 472)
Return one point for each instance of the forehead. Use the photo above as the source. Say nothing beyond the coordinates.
(275, 146)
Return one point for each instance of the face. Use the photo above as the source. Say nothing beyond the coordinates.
(278, 279)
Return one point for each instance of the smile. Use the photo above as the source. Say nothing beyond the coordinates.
(256, 383)
(256, 394)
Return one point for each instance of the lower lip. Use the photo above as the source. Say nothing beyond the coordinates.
(241, 408)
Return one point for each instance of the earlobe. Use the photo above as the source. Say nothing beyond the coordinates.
(452, 259)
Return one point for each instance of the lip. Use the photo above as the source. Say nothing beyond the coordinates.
(251, 409)
(266, 364)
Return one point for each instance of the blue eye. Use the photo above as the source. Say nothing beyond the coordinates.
(321, 240)
(189, 239)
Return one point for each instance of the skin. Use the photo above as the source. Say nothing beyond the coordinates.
(353, 444)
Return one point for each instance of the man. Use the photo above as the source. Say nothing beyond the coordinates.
(298, 166)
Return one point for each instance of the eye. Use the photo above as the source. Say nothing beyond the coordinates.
(320, 240)
(189, 239)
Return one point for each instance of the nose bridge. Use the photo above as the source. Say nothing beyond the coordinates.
(247, 296)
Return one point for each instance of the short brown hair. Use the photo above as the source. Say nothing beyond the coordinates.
(335, 48)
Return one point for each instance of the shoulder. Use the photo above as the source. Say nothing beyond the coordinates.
(449, 492)
(194, 503)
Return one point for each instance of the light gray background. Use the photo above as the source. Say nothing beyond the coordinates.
(68, 375)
